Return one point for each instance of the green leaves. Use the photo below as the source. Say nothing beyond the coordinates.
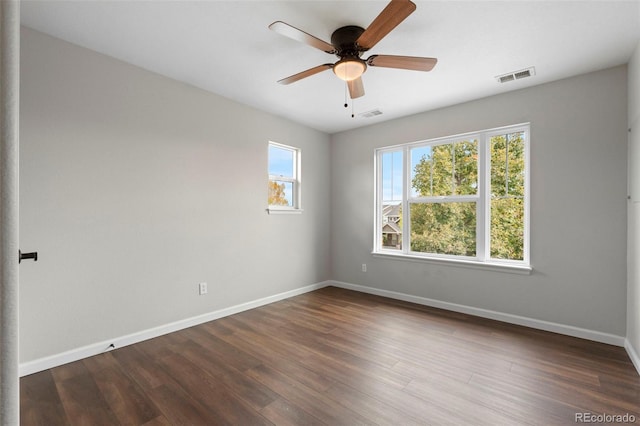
(447, 169)
(507, 196)
(447, 225)
(444, 228)
(507, 228)
(507, 165)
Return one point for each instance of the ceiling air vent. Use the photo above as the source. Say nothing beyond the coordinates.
(516, 75)
(371, 113)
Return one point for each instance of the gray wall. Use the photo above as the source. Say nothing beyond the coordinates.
(578, 205)
(633, 295)
(135, 188)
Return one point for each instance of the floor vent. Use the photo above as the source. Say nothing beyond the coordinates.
(516, 75)
(371, 113)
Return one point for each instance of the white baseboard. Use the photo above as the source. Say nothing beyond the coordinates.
(635, 359)
(118, 342)
(569, 330)
(104, 346)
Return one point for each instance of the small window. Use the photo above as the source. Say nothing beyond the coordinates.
(284, 178)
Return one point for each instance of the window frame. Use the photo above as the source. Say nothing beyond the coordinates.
(482, 259)
(295, 180)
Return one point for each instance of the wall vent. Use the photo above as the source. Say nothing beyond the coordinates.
(516, 75)
(371, 113)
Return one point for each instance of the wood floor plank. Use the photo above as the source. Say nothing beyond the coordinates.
(179, 408)
(353, 374)
(371, 408)
(40, 403)
(84, 402)
(142, 368)
(224, 352)
(556, 372)
(252, 392)
(338, 357)
(310, 401)
(278, 357)
(546, 400)
(210, 392)
(467, 403)
(68, 371)
(158, 421)
(283, 413)
(428, 369)
(99, 362)
(125, 397)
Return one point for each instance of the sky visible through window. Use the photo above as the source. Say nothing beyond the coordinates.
(392, 172)
(281, 164)
(392, 177)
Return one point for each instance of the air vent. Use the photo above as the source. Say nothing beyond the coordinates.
(505, 78)
(371, 113)
(516, 75)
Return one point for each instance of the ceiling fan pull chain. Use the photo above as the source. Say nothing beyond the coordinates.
(353, 101)
(345, 95)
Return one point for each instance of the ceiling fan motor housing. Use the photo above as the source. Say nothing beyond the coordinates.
(344, 40)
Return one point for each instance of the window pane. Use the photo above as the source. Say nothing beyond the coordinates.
(507, 165)
(507, 196)
(507, 228)
(516, 164)
(466, 167)
(444, 228)
(281, 161)
(421, 172)
(280, 193)
(392, 187)
(392, 177)
(392, 226)
(432, 174)
(448, 169)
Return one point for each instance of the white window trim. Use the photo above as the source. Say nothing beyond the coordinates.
(481, 261)
(276, 210)
(296, 180)
(461, 262)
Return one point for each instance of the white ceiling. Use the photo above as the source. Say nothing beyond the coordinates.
(225, 47)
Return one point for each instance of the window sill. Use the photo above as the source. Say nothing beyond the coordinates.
(284, 211)
(464, 263)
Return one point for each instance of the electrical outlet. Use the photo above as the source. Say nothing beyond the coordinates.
(202, 289)
(364, 267)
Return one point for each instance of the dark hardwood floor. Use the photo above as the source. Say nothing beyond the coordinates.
(339, 357)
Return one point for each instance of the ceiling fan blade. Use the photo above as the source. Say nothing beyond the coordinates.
(356, 88)
(306, 73)
(402, 62)
(395, 12)
(299, 35)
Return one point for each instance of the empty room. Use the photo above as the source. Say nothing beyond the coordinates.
(320, 212)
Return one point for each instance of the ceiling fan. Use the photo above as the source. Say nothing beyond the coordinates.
(350, 42)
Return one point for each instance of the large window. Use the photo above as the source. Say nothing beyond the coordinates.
(459, 198)
(284, 178)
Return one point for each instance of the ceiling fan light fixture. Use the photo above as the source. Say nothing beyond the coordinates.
(349, 69)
